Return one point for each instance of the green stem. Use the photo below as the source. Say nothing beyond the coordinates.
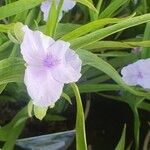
(53, 18)
(136, 126)
(81, 143)
(99, 4)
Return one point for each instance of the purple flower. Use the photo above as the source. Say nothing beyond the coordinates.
(137, 73)
(46, 5)
(50, 64)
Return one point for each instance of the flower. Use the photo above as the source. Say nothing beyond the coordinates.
(50, 64)
(137, 73)
(46, 5)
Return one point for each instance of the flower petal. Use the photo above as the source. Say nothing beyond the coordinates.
(58, 49)
(129, 74)
(69, 70)
(145, 82)
(137, 73)
(144, 66)
(34, 46)
(42, 87)
(45, 7)
(68, 4)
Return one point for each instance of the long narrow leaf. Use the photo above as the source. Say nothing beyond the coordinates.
(17, 7)
(88, 4)
(112, 7)
(93, 60)
(145, 53)
(80, 121)
(11, 70)
(89, 27)
(102, 33)
(121, 144)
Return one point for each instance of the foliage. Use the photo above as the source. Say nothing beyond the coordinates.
(104, 35)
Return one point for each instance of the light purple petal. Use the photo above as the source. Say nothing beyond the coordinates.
(144, 82)
(41, 87)
(69, 70)
(144, 66)
(68, 4)
(34, 46)
(130, 74)
(46, 5)
(45, 8)
(137, 73)
(50, 64)
(58, 49)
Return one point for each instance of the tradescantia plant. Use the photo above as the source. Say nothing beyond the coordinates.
(39, 49)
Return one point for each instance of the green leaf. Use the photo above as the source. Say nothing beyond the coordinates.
(93, 60)
(89, 27)
(40, 112)
(136, 126)
(93, 14)
(30, 108)
(99, 4)
(31, 17)
(52, 19)
(105, 45)
(112, 7)
(102, 33)
(20, 17)
(11, 70)
(93, 88)
(64, 28)
(2, 87)
(13, 129)
(80, 121)
(114, 54)
(121, 144)
(144, 106)
(17, 7)
(5, 131)
(52, 117)
(134, 102)
(88, 4)
(65, 96)
(86, 88)
(145, 53)
(5, 49)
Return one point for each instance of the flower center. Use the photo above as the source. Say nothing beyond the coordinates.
(50, 61)
(140, 75)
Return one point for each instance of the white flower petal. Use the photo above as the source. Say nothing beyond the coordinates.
(68, 4)
(42, 87)
(145, 82)
(46, 5)
(34, 46)
(137, 73)
(69, 70)
(50, 65)
(58, 49)
(144, 64)
(130, 74)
